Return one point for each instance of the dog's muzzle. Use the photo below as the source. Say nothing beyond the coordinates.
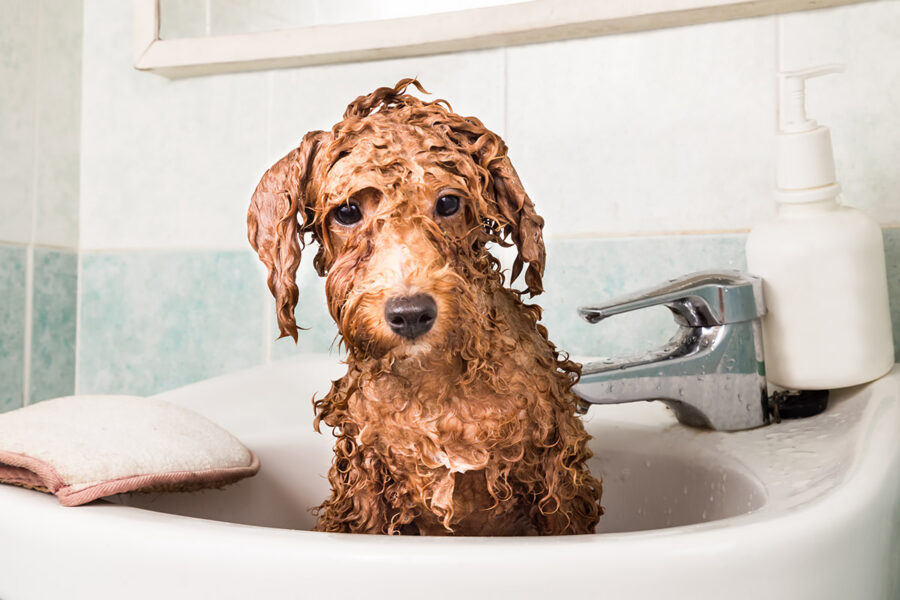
(411, 316)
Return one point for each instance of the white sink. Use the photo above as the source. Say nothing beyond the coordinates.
(800, 509)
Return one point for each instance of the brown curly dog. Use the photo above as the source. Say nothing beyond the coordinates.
(456, 414)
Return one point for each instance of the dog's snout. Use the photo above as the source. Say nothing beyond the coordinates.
(411, 316)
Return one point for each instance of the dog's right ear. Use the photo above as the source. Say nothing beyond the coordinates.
(276, 221)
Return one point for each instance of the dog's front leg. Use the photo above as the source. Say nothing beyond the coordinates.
(568, 497)
(357, 503)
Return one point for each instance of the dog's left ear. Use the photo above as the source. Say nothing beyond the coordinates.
(523, 224)
(276, 221)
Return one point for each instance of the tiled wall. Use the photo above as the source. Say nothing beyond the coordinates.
(40, 113)
(649, 155)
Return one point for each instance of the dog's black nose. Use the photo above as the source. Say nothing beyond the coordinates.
(411, 316)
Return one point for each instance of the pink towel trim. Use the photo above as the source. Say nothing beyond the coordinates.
(21, 469)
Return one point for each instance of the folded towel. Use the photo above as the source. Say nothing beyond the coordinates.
(85, 447)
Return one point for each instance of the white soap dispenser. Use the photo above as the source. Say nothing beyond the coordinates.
(822, 264)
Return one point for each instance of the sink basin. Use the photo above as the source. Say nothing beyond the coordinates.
(799, 509)
(649, 482)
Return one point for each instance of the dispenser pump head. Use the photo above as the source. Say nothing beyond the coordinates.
(793, 97)
(803, 156)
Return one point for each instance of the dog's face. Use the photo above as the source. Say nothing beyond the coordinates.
(393, 235)
(402, 237)
(403, 197)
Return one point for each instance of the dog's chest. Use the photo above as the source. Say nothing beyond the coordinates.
(424, 429)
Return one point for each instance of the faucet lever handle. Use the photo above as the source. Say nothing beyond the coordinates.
(701, 299)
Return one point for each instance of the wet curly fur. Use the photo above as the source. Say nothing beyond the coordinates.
(469, 429)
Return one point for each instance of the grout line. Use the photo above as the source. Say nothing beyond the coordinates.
(506, 92)
(79, 283)
(172, 250)
(37, 125)
(80, 199)
(270, 109)
(645, 234)
(553, 236)
(779, 67)
(44, 246)
(78, 291)
(29, 252)
(267, 329)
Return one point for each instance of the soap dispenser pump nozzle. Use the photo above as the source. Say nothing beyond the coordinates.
(803, 156)
(793, 97)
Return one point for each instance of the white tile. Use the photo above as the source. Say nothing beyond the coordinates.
(165, 163)
(315, 97)
(18, 68)
(657, 131)
(859, 105)
(59, 122)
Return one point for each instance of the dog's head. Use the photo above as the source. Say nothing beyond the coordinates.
(402, 197)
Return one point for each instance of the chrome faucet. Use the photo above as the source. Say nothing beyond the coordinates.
(711, 373)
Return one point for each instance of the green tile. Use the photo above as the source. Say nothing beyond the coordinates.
(53, 324)
(12, 326)
(584, 271)
(153, 321)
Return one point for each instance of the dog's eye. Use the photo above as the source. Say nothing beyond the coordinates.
(447, 205)
(347, 214)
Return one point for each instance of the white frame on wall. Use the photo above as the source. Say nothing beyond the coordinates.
(510, 24)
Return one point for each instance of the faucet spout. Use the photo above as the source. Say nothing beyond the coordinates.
(711, 373)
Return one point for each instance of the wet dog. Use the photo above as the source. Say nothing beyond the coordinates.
(456, 415)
